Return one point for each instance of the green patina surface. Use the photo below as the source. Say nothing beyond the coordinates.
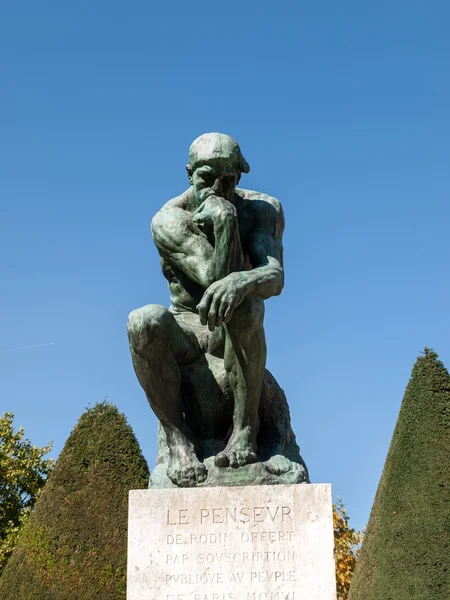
(201, 362)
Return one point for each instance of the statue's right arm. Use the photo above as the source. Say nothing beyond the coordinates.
(183, 245)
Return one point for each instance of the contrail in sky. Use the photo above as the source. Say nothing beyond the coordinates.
(27, 347)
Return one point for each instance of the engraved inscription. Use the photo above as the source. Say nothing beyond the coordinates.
(271, 596)
(274, 565)
(220, 515)
(235, 544)
(256, 514)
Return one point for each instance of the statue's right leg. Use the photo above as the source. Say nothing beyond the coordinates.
(158, 346)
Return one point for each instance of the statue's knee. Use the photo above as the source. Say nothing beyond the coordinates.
(249, 314)
(146, 323)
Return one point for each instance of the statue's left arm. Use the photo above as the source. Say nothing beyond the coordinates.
(265, 248)
(265, 279)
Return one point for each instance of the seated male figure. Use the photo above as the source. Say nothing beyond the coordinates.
(221, 252)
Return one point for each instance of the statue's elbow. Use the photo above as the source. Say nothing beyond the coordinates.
(278, 290)
(279, 285)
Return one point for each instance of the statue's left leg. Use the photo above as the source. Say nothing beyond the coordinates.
(244, 359)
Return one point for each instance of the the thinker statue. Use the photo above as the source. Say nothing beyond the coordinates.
(202, 362)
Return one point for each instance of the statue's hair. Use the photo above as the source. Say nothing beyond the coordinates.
(215, 145)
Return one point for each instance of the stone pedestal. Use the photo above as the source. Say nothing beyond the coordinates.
(231, 543)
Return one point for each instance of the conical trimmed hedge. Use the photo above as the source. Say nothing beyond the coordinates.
(406, 552)
(75, 544)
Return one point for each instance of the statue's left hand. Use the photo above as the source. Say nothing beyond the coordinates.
(220, 300)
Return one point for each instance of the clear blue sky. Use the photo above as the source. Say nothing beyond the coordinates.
(342, 110)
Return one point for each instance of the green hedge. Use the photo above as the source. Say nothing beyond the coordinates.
(74, 546)
(406, 551)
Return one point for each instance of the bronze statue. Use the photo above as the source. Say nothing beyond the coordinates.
(201, 362)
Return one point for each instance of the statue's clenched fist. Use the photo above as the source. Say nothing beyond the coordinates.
(215, 210)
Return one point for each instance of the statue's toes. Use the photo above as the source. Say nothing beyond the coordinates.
(201, 473)
(234, 460)
(241, 459)
(187, 477)
(175, 476)
(194, 475)
(278, 465)
(251, 458)
(181, 477)
(246, 458)
(222, 460)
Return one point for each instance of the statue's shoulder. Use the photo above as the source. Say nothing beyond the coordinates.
(259, 198)
(264, 206)
(170, 218)
(177, 202)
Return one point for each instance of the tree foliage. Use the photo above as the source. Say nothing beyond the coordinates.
(76, 539)
(406, 551)
(75, 543)
(23, 472)
(346, 549)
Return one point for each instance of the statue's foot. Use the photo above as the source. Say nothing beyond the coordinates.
(239, 451)
(185, 470)
(278, 465)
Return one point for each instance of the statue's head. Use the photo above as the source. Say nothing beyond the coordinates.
(215, 165)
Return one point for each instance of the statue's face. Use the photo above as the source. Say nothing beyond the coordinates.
(215, 178)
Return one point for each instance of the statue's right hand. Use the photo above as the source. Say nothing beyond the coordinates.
(214, 210)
